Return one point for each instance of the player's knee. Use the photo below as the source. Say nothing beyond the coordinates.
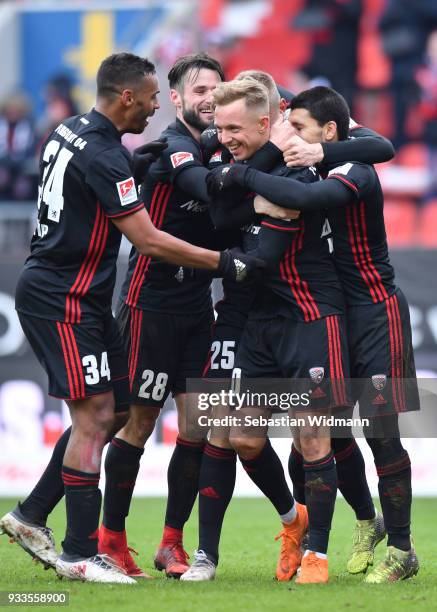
(247, 448)
(97, 414)
(142, 422)
(388, 451)
(314, 448)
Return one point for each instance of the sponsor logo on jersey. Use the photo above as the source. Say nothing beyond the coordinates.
(194, 206)
(379, 381)
(317, 374)
(344, 169)
(217, 156)
(182, 157)
(127, 191)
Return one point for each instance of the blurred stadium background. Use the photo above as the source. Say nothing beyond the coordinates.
(381, 54)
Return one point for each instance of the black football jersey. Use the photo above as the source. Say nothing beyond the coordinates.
(85, 181)
(154, 285)
(360, 242)
(305, 284)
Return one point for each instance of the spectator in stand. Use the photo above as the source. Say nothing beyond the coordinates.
(334, 25)
(17, 147)
(426, 78)
(405, 26)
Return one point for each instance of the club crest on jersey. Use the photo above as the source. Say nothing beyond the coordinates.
(317, 374)
(379, 381)
(217, 156)
(182, 157)
(127, 191)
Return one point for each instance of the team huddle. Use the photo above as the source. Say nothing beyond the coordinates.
(277, 195)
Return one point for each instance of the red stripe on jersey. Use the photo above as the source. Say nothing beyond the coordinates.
(66, 361)
(369, 260)
(286, 274)
(363, 256)
(100, 249)
(71, 301)
(354, 241)
(164, 206)
(143, 261)
(345, 181)
(309, 298)
(76, 359)
(290, 274)
(279, 228)
(88, 267)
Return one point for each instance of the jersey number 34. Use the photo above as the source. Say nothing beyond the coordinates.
(50, 192)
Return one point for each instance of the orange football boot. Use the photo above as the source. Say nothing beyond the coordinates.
(291, 552)
(313, 570)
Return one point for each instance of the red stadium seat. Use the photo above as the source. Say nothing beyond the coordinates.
(413, 155)
(400, 217)
(427, 235)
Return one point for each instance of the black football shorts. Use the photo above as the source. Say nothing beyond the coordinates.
(382, 358)
(314, 354)
(164, 350)
(81, 359)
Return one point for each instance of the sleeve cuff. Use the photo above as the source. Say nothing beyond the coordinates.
(129, 211)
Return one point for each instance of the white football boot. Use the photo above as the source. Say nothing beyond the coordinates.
(100, 568)
(201, 569)
(36, 540)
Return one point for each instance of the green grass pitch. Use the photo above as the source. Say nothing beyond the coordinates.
(245, 577)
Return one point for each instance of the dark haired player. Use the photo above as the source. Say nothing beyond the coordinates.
(87, 199)
(379, 331)
(165, 316)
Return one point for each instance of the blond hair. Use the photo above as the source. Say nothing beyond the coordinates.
(254, 93)
(265, 79)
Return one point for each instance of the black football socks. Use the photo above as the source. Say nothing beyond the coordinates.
(49, 489)
(122, 464)
(216, 486)
(320, 494)
(83, 500)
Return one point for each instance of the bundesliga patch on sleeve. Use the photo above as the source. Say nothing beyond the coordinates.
(127, 191)
(181, 157)
(217, 156)
(341, 169)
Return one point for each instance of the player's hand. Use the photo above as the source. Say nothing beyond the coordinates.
(265, 207)
(209, 143)
(225, 176)
(301, 153)
(282, 133)
(144, 156)
(238, 266)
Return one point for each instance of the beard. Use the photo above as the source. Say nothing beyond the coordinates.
(192, 118)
